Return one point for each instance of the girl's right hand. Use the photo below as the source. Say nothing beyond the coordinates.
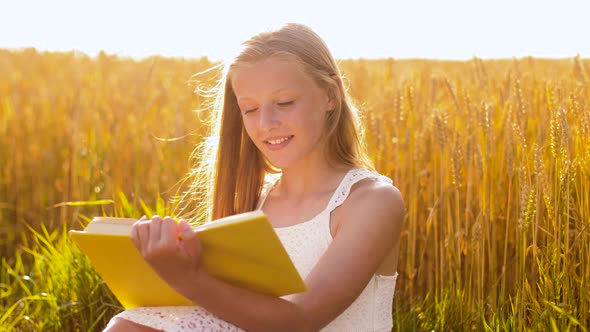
(172, 249)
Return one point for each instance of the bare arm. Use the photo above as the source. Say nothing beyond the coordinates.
(369, 225)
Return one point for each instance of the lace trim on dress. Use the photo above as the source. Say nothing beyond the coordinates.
(178, 319)
(353, 176)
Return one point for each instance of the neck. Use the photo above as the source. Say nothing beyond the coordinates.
(299, 182)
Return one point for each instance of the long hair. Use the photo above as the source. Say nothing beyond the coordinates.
(229, 170)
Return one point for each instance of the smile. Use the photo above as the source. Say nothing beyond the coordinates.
(279, 141)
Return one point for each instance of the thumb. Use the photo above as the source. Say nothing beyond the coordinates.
(189, 239)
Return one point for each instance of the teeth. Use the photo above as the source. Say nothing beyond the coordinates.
(278, 141)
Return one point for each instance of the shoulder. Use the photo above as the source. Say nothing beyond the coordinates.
(375, 193)
(375, 202)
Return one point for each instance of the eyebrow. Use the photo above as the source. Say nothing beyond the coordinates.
(273, 93)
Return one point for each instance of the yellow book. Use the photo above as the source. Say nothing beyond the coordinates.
(242, 249)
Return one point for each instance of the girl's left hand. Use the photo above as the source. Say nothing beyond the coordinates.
(172, 249)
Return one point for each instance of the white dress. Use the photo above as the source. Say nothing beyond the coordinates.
(305, 243)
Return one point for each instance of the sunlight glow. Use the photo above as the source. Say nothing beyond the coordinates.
(352, 29)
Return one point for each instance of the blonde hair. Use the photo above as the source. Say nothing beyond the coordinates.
(229, 171)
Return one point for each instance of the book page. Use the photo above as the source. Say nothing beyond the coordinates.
(108, 225)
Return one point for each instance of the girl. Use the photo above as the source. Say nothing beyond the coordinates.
(282, 107)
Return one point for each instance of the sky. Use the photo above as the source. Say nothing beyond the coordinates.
(444, 29)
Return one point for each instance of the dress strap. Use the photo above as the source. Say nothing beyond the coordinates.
(353, 176)
(270, 180)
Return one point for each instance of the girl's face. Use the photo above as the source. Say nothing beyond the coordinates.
(283, 110)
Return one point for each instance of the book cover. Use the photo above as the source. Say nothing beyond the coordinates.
(242, 249)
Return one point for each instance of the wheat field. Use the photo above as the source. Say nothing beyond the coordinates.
(492, 157)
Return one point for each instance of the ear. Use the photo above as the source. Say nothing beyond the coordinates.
(335, 96)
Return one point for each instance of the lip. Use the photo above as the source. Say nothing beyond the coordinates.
(275, 147)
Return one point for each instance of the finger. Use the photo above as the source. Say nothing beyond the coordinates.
(143, 234)
(169, 232)
(155, 230)
(190, 241)
(135, 234)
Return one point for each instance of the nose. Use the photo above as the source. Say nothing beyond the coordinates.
(268, 117)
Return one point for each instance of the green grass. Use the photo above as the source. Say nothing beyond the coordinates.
(50, 285)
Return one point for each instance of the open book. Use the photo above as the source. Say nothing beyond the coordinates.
(242, 249)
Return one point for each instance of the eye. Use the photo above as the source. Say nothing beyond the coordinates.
(287, 103)
(249, 110)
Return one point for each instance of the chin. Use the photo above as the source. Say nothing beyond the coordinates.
(280, 163)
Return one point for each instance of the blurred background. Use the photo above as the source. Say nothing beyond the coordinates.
(478, 110)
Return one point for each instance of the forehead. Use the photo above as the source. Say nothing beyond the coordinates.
(270, 74)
